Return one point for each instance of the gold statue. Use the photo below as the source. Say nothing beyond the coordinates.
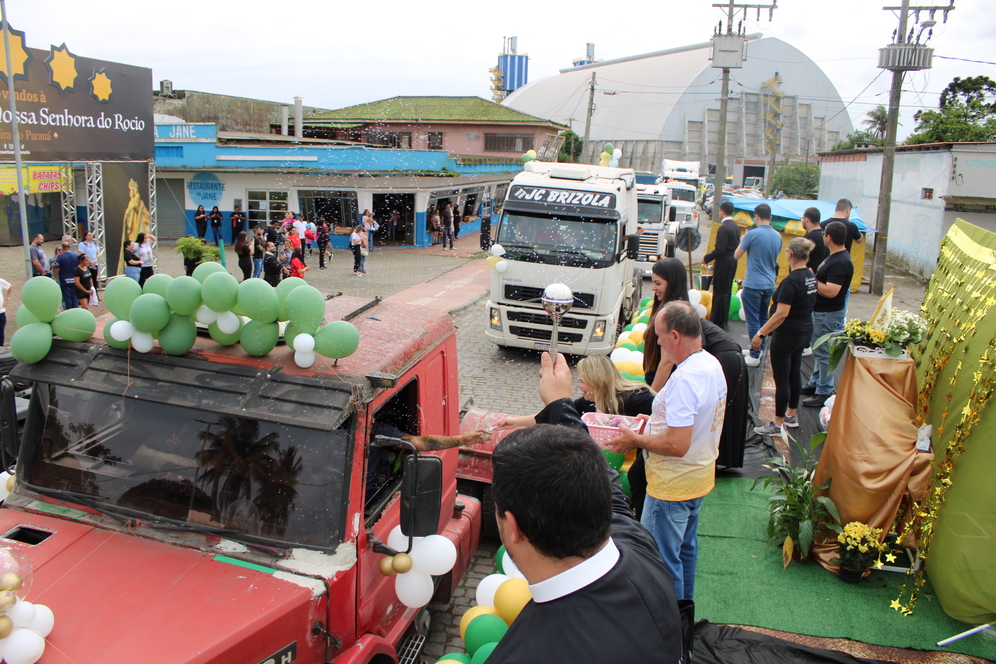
(136, 219)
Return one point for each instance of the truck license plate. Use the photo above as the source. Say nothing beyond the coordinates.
(285, 655)
(541, 345)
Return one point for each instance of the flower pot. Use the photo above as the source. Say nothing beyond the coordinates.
(850, 576)
(876, 352)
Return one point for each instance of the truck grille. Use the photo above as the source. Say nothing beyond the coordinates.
(648, 242)
(543, 319)
(532, 294)
(545, 335)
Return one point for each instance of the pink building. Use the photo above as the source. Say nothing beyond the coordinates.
(468, 127)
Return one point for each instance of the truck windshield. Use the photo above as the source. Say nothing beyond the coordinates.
(268, 483)
(650, 211)
(683, 195)
(574, 241)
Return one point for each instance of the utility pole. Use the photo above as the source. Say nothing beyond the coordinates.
(728, 53)
(591, 109)
(904, 54)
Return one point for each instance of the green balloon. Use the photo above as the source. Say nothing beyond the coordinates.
(627, 345)
(204, 270)
(289, 333)
(643, 319)
(640, 379)
(454, 657)
(259, 338)
(609, 148)
(283, 289)
(629, 327)
(111, 341)
(485, 628)
(498, 558)
(179, 335)
(646, 302)
(624, 482)
(220, 291)
(75, 324)
(626, 375)
(43, 297)
(236, 309)
(735, 304)
(337, 339)
(305, 308)
(639, 346)
(149, 313)
(258, 300)
(615, 460)
(119, 294)
(25, 317)
(158, 284)
(183, 295)
(31, 343)
(525, 158)
(483, 653)
(225, 339)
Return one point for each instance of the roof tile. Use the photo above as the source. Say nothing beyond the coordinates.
(428, 109)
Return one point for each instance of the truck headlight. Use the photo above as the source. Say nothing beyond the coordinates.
(495, 319)
(598, 333)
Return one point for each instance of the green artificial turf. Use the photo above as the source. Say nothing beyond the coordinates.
(740, 581)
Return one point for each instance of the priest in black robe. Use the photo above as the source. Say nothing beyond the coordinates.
(600, 589)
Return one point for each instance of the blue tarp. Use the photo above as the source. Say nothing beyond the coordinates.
(788, 208)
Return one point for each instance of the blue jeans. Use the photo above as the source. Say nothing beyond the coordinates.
(756, 302)
(257, 267)
(447, 235)
(822, 379)
(133, 271)
(216, 233)
(674, 525)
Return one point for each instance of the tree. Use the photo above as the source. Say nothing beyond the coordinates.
(570, 151)
(859, 139)
(877, 121)
(966, 112)
(797, 180)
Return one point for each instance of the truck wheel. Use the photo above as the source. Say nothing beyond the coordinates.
(669, 251)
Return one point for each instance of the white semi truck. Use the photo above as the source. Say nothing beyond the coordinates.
(682, 177)
(577, 225)
(657, 222)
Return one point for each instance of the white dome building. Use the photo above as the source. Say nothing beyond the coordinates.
(666, 105)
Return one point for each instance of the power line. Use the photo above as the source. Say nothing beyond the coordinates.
(981, 62)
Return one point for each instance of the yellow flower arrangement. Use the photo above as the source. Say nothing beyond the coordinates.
(859, 546)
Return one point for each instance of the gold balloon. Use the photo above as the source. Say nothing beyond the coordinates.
(492, 260)
(402, 563)
(10, 483)
(6, 627)
(387, 566)
(11, 581)
(511, 597)
(7, 601)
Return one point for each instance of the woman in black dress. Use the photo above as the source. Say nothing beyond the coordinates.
(84, 281)
(201, 221)
(243, 249)
(216, 218)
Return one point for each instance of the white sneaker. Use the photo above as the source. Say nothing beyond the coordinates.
(807, 351)
(752, 361)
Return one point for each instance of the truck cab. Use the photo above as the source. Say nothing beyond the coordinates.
(573, 224)
(218, 507)
(657, 226)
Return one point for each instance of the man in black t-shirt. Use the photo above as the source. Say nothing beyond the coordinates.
(814, 233)
(832, 280)
(842, 213)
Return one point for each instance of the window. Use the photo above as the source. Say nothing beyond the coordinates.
(338, 208)
(396, 417)
(266, 205)
(507, 143)
(473, 136)
(435, 140)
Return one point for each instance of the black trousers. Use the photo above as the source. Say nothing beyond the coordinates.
(356, 257)
(322, 247)
(722, 284)
(786, 367)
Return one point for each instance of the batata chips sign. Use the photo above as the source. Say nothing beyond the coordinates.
(71, 108)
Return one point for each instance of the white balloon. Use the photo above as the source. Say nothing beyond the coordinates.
(616, 153)
(511, 570)
(304, 360)
(501, 266)
(414, 588)
(304, 343)
(4, 476)
(434, 555)
(497, 250)
(23, 646)
(44, 620)
(228, 322)
(640, 327)
(205, 315)
(122, 330)
(636, 356)
(700, 310)
(487, 588)
(622, 337)
(142, 342)
(620, 354)
(694, 297)
(614, 163)
(397, 540)
(22, 613)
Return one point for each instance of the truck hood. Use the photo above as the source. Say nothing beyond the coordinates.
(120, 598)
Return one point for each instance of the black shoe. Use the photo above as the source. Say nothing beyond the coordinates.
(816, 401)
(808, 390)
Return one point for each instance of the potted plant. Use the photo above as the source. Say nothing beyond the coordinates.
(859, 546)
(885, 335)
(798, 510)
(196, 251)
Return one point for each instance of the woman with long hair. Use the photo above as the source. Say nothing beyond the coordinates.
(201, 221)
(143, 249)
(670, 283)
(356, 245)
(258, 252)
(132, 263)
(791, 326)
(243, 249)
(216, 218)
(83, 281)
(297, 266)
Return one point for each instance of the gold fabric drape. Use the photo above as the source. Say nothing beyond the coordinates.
(870, 451)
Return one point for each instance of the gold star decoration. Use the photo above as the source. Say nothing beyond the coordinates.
(100, 87)
(895, 605)
(890, 558)
(877, 564)
(62, 69)
(20, 56)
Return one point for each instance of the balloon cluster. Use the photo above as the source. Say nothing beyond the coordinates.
(23, 625)
(701, 301)
(39, 318)
(166, 309)
(610, 156)
(736, 304)
(500, 599)
(495, 260)
(6, 485)
(528, 156)
(431, 556)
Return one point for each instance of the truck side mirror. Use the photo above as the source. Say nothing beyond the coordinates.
(421, 495)
(486, 233)
(633, 247)
(8, 423)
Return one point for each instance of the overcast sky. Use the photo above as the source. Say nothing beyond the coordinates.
(336, 54)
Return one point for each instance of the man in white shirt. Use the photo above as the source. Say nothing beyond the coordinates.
(4, 294)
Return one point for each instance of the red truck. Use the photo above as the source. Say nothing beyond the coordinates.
(217, 507)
